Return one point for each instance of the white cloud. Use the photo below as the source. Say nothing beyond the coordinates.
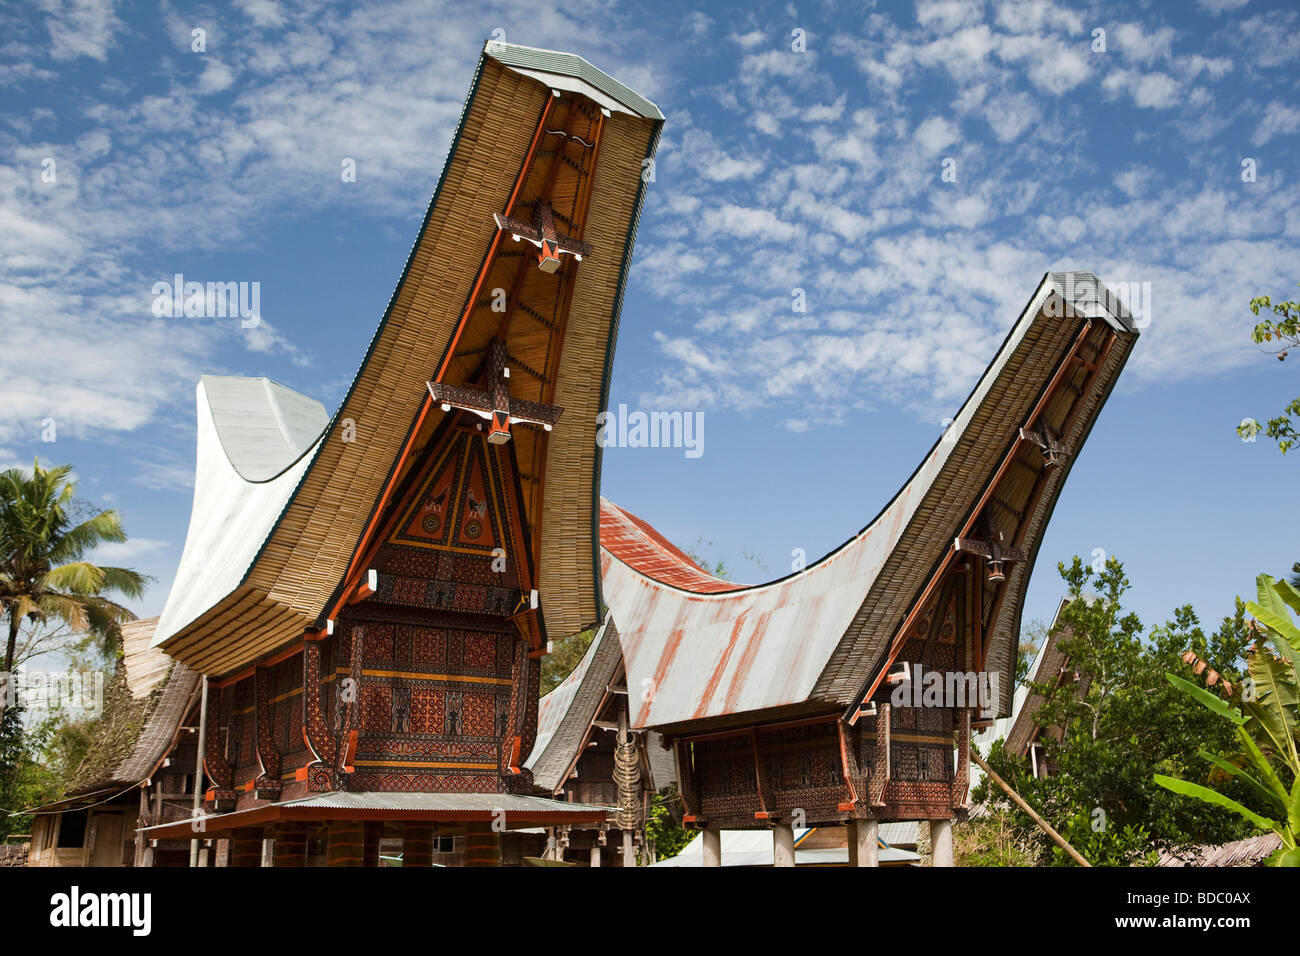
(1219, 6)
(1142, 45)
(1278, 120)
(935, 134)
(748, 40)
(263, 13)
(118, 553)
(947, 15)
(80, 28)
(745, 222)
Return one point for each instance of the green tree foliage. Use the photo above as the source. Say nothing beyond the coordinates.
(36, 762)
(1120, 723)
(43, 571)
(564, 657)
(696, 553)
(664, 825)
(1281, 333)
(1263, 713)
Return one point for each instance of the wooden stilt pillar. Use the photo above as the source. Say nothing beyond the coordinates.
(941, 843)
(595, 855)
(246, 847)
(290, 845)
(712, 846)
(629, 851)
(863, 848)
(374, 831)
(783, 845)
(417, 845)
(343, 846)
(482, 845)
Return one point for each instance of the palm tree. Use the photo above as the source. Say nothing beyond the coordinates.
(42, 571)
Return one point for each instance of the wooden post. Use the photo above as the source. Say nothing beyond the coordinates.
(1016, 798)
(372, 833)
(783, 845)
(343, 846)
(863, 848)
(246, 847)
(629, 852)
(595, 854)
(712, 845)
(417, 845)
(290, 845)
(482, 845)
(941, 843)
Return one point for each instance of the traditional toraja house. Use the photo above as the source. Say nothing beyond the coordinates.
(780, 700)
(1025, 736)
(369, 596)
(586, 752)
(138, 772)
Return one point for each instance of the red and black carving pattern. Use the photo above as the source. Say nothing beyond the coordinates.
(215, 762)
(686, 777)
(880, 770)
(320, 771)
(428, 646)
(395, 782)
(961, 785)
(921, 744)
(917, 800)
(726, 778)
(802, 769)
(268, 783)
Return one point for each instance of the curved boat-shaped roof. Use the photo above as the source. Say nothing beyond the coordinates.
(813, 639)
(633, 541)
(255, 440)
(263, 427)
(270, 547)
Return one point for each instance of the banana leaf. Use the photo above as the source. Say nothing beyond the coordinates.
(1207, 795)
(1232, 769)
(1212, 702)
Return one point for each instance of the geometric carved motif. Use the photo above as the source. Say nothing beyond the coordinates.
(456, 507)
(433, 708)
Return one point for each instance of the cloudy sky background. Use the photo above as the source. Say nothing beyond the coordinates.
(818, 170)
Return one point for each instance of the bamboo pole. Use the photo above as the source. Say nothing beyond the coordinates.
(1043, 824)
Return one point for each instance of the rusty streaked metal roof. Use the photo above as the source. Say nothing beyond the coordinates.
(633, 541)
(699, 652)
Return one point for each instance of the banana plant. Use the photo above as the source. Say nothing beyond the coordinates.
(1266, 723)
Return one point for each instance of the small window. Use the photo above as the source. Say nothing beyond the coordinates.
(72, 829)
(446, 844)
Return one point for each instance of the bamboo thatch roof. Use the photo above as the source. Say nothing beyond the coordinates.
(265, 559)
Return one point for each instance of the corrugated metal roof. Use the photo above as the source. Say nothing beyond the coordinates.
(343, 805)
(633, 541)
(697, 655)
(534, 60)
(451, 802)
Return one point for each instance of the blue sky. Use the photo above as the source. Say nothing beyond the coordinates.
(818, 170)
